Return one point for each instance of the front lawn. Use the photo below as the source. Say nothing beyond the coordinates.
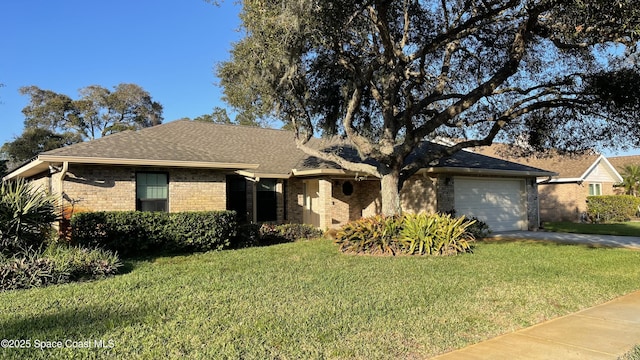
(306, 300)
(623, 229)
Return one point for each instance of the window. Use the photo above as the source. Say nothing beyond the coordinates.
(595, 189)
(152, 191)
(347, 188)
(237, 196)
(267, 202)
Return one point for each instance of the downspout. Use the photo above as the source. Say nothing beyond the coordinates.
(63, 173)
(254, 200)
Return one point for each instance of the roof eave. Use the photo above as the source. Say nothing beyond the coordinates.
(145, 162)
(32, 168)
(562, 180)
(320, 172)
(485, 172)
(259, 175)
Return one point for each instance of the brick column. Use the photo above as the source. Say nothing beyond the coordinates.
(324, 203)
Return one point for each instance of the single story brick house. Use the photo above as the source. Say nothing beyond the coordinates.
(563, 197)
(260, 173)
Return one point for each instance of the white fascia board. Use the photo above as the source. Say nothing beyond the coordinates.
(34, 167)
(147, 162)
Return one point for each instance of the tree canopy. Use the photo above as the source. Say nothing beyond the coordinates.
(388, 75)
(53, 120)
(220, 116)
(631, 179)
(98, 112)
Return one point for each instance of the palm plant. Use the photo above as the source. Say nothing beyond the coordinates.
(26, 216)
(631, 179)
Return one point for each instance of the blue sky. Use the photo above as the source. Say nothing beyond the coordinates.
(169, 47)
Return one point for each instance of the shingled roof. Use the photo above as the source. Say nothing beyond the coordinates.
(460, 162)
(569, 166)
(256, 151)
(619, 162)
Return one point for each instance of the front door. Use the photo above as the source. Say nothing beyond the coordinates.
(311, 198)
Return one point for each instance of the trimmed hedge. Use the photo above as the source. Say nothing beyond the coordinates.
(136, 233)
(609, 208)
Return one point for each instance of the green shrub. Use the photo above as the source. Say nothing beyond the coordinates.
(418, 234)
(79, 263)
(373, 235)
(58, 264)
(612, 208)
(276, 234)
(136, 233)
(477, 228)
(435, 234)
(202, 231)
(26, 216)
(248, 235)
(26, 272)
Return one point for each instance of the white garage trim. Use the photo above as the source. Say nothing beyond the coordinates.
(500, 202)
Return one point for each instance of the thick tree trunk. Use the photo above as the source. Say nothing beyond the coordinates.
(390, 194)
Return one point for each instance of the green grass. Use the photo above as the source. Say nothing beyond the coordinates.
(306, 300)
(633, 354)
(623, 229)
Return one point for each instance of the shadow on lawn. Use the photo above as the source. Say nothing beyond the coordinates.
(544, 242)
(78, 323)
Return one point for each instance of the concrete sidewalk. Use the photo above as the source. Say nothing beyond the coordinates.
(605, 331)
(632, 242)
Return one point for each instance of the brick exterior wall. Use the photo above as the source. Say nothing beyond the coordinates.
(419, 195)
(113, 188)
(362, 202)
(110, 188)
(445, 194)
(533, 211)
(295, 200)
(197, 190)
(325, 203)
(566, 201)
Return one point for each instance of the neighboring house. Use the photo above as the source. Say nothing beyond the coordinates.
(563, 197)
(189, 165)
(619, 162)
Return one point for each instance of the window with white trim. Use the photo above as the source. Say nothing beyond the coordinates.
(595, 189)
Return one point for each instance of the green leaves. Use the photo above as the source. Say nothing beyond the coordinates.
(435, 234)
(53, 120)
(137, 233)
(410, 234)
(26, 216)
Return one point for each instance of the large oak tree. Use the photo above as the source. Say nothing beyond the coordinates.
(388, 75)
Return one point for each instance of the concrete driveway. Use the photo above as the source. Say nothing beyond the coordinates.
(632, 242)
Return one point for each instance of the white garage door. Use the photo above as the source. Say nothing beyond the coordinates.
(498, 202)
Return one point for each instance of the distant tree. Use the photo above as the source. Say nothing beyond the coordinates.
(98, 111)
(631, 179)
(388, 75)
(4, 168)
(53, 120)
(220, 116)
(32, 142)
